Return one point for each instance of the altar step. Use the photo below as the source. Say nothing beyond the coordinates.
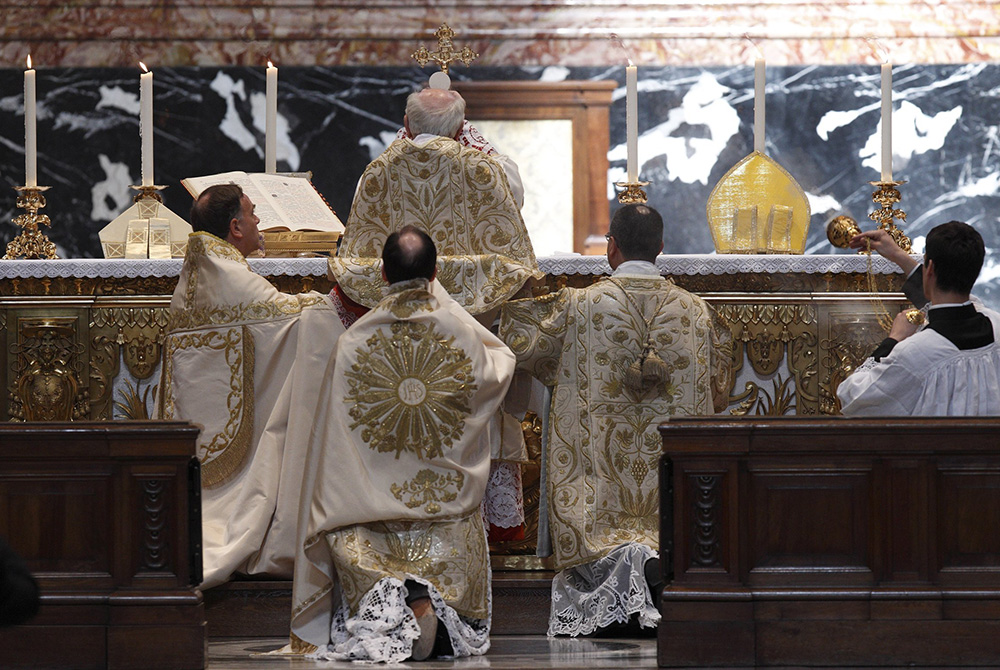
(253, 608)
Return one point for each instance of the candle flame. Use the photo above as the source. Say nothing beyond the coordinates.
(621, 45)
(269, 63)
(630, 63)
(143, 66)
(756, 48)
(29, 61)
(878, 49)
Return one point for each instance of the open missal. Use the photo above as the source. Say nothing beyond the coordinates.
(284, 203)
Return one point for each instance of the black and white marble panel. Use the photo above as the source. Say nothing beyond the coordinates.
(694, 123)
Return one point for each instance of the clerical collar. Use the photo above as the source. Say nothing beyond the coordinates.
(636, 268)
(423, 138)
(948, 304)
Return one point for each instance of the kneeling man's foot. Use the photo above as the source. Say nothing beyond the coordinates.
(428, 623)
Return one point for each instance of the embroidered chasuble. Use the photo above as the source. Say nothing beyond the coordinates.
(245, 362)
(603, 447)
(457, 195)
(395, 479)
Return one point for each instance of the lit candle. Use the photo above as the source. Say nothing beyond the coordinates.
(758, 105)
(887, 122)
(146, 124)
(271, 121)
(30, 140)
(632, 122)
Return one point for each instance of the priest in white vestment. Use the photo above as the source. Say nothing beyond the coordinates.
(442, 176)
(951, 367)
(393, 560)
(623, 355)
(245, 362)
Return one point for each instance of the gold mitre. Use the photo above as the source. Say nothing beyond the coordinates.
(758, 208)
(147, 229)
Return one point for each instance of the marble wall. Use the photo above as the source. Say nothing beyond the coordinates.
(695, 123)
(108, 33)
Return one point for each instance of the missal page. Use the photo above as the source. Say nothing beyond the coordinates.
(300, 206)
(269, 216)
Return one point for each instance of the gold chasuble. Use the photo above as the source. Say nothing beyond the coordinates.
(245, 362)
(395, 478)
(596, 346)
(457, 195)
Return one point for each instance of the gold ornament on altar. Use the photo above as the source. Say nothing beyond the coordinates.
(32, 242)
(147, 229)
(887, 195)
(841, 230)
(758, 208)
(446, 53)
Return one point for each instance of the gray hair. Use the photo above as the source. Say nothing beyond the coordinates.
(436, 112)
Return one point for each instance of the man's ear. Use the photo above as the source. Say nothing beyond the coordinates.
(406, 125)
(385, 278)
(234, 229)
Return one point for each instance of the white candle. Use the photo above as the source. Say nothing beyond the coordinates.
(271, 121)
(30, 138)
(887, 122)
(632, 122)
(758, 105)
(146, 124)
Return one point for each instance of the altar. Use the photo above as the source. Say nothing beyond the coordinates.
(95, 327)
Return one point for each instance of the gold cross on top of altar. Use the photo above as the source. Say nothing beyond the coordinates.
(445, 54)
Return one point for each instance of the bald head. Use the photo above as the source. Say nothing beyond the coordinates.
(434, 111)
(408, 254)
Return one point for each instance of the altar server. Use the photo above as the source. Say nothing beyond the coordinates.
(622, 355)
(393, 561)
(951, 367)
(245, 362)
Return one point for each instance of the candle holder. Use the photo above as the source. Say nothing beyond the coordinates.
(633, 193)
(147, 197)
(32, 242)
(888, 195)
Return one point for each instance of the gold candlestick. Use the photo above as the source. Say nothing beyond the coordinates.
(888, 195)
(147, 197)
(32, 242)
(633, 193)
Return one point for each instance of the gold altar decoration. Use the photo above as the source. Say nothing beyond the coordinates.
(632, 193)
(886, 196)
(32, 242)
(841, 230)
(147, 229)
(445, 54)
(47, 381)
(758, 208)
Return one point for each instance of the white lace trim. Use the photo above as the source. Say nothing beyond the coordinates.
(723, 264)
(503, 503)
(100, 268)
(606, 591)
(698, 264)
(384, 628)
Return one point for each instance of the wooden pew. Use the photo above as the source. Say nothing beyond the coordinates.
(107, 517)
(830, 541)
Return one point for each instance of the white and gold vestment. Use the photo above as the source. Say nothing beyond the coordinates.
(395, 480)
(602, 443)
(457, 195)
(245, 362)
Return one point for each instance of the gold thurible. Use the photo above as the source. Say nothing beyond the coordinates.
(887, 195)
(32, 242)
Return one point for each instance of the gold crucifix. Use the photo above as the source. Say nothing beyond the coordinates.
(445, 54)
